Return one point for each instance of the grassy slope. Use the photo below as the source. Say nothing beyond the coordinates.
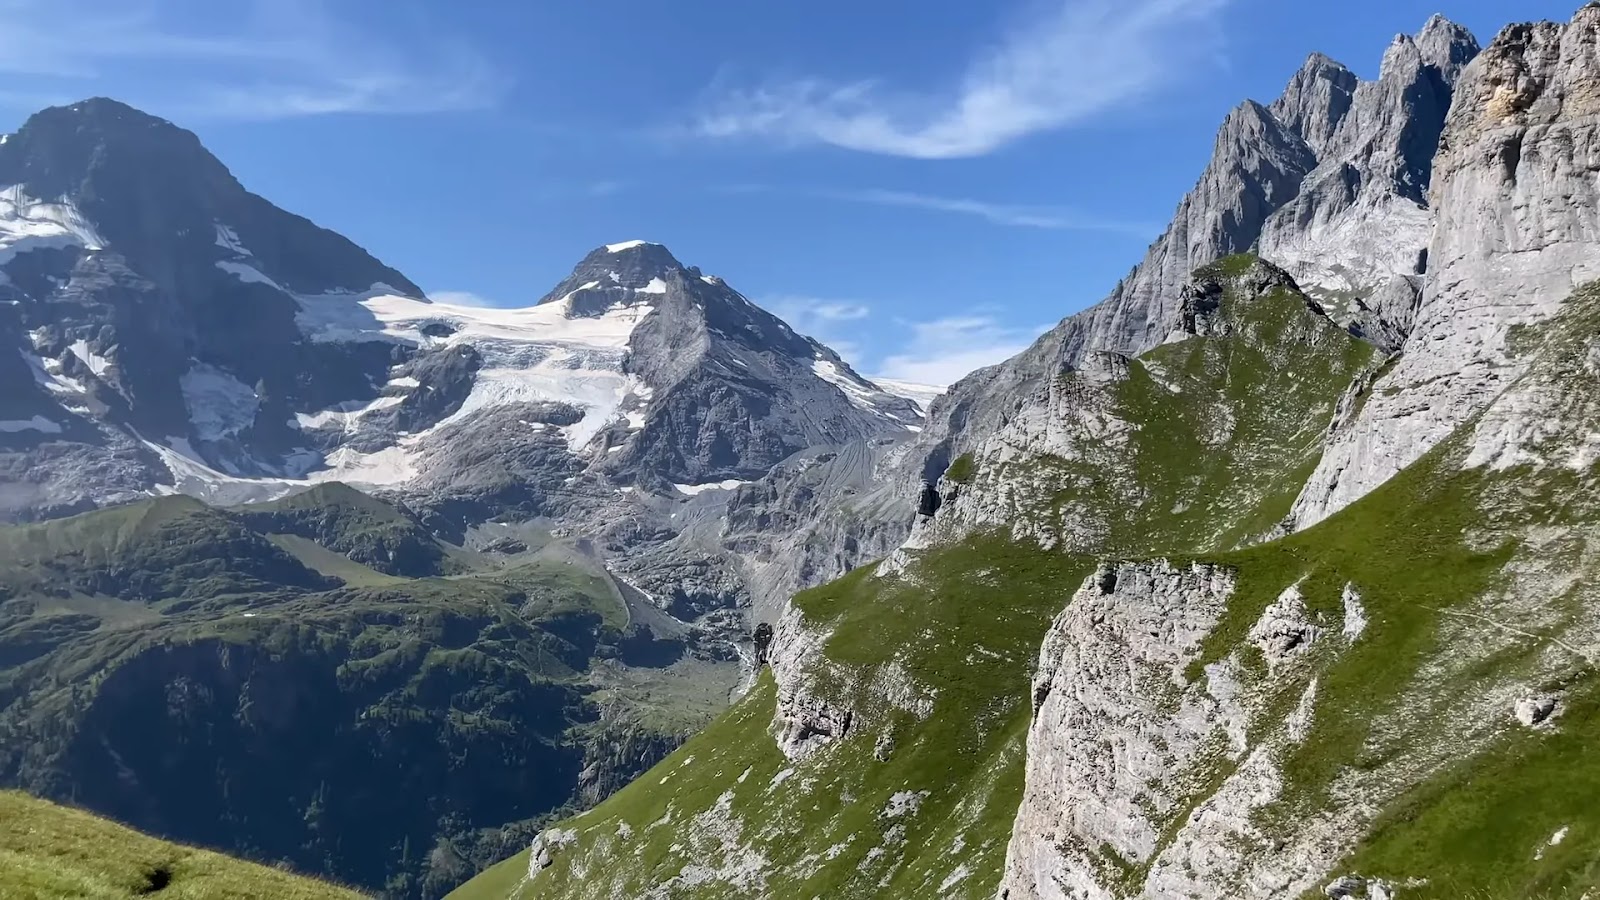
(970, 641)
(456, 711)
(49, 852)
(358, 526)
(1422, 550)
(1223, 429)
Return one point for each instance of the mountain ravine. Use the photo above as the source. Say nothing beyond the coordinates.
(1273, 576)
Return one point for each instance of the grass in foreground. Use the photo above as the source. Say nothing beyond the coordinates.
(49, 852)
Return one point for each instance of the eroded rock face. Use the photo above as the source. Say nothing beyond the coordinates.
(1117, 727)
(1331, 182)
(804, 722)
(1357, 232)
(1516, 197)
(1146, 756)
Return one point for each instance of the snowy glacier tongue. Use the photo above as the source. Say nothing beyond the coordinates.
(535, 353)
(531, 354)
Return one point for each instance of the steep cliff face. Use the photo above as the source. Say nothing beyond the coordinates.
(1226, 730)
(1515, 198)
(1198, 444)
(1330, 181)
(1256, 167)
(1356, 234)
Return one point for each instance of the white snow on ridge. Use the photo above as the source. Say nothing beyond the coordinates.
(346, 317)
(97, 364)
(228, 239)
(551, 323)
(384, 468)
(656, 286)
(922, 395)
(587, 286)
(219, 404)
(530, 354)
(247, 273)
(29, 224)
(343, 414)
(37, 423)
(625, 245)
(695, 490)
(862, 394)
(47, 374)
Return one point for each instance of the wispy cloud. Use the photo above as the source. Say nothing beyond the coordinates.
(996, 213)
(935, 352)
(255, 59)
(1067, 62)
(942, 351)
(1010, 215)
(829, 321)
(461, 298)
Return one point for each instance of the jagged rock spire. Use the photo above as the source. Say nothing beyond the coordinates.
(1316, 100)
(1447, 46)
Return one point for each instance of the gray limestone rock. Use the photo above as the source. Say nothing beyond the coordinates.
(1361, 219)
(1516, 200)
(1329, 181)
(1535, 711)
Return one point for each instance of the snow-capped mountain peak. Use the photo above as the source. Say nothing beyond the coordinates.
(175, 332)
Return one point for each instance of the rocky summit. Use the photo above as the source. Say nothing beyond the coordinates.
(1268, 576)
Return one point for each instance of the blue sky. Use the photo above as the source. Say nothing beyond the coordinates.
(925, 186)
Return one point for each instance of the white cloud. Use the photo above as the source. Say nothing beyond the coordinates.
(1006, 214)
(259, 59)
(936, 352)
(996, 213)
(825, 320)
(942, 351)
(1070, 61)
(461, 298)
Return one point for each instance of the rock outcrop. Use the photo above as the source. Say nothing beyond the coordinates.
(1356, 234)
(805, 720)
(1516, 201)
(1330, 181)
(1118, 729)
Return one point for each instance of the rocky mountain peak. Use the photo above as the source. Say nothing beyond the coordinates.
(1512, 229)
(620, 270)
(1316, 100)
(154, 195)
(1447, 46)
(1403, 56)
(79, 152)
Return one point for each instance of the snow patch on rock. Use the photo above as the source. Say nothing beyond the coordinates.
(220, 405)
(37, 423)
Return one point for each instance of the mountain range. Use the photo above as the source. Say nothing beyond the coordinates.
(230, 436)
(1268, 576)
